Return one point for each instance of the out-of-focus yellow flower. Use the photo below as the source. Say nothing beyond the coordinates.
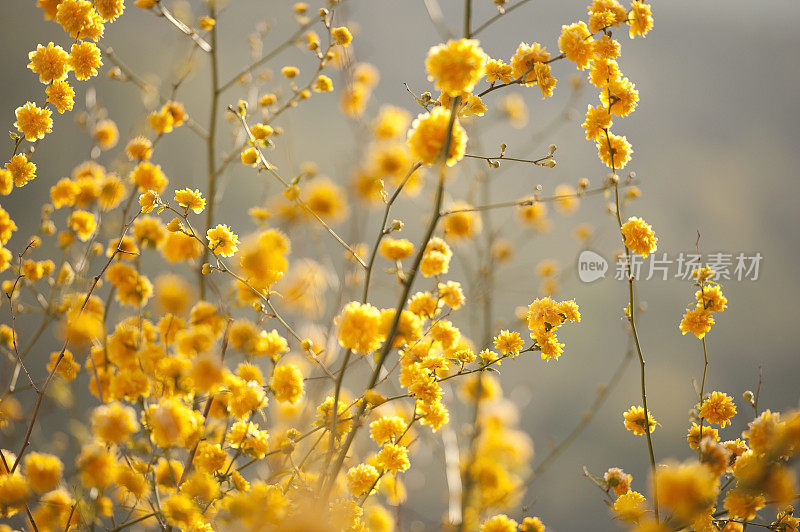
(428, 135)
(457, 66)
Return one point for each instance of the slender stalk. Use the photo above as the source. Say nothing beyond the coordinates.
(330, 479)
(387, 346)
(702, 391)
(123, 526)
(632, 321)
(467, 19)
(498, 16)
(211, 144)
(265, 58)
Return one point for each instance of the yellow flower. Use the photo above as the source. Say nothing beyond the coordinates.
(710, 297)
(287, 383)
(508, 343)
(436, 259)
(524, 59)
(270, 344)
(688, 490)
(176, 111)
(180, 511)
(456, 66)
(111, 191)
(6, 182)
(604, 71)
(84, 60)
(114, 422)
(395, 249)
(718, 408)
(148, 176)
(598, 120)
(743, 505)
(14, 493)
(172, 424)
(475, 106)
(250, 156)
(613, 13)
(139, 148)
(206, 23)
(393, 458)
(323, 84)
(640, 19)
(697, 321)
(635, 420)
(7, 226)
(342, 36)
(209, 457)
(106, 134)
(33, 121)
(630, 506)
(615, 151)
(464, 224)
(496, 69)
(762, 431)
(544, 79)
(61, 95)
(290, 72)
(359, 328)
(451, 294)
(343, 420)
(607, 48)
(362, 479)
(391, 122)
(326, 199)
(190, 199)
(50, 62)
(222, 241)
(693, 435)
(148, 201)
(620, 96)
(428, 135)
(499, 523)
(22, 170)
(83, 224)
(161, 121)
(109, 9)
(639, 236)
(618, 480)
(74, 16)
(261, 131)
(43, 471)
(387, 429)
(577, 44)
(532, 524)
(424, 304)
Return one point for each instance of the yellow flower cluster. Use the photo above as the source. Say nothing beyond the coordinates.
(710, 300)
(226, 391)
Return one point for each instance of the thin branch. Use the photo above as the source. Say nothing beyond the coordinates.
(271, 169)
(498, 16)
(266, 57)
(183, 28)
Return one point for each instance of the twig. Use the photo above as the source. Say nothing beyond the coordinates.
(498, 16)
(183, 28)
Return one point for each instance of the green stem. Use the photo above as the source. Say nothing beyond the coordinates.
(211, 145)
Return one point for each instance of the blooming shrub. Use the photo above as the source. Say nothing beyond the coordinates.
(226, 393)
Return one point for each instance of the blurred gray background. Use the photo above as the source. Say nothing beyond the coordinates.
(715, 138)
